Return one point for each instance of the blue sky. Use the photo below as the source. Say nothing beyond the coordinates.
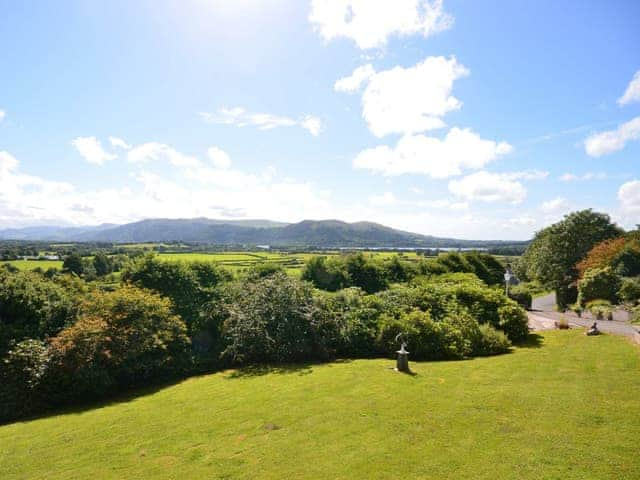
(483, 119)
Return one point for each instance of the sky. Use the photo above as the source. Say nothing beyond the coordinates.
(478, 119)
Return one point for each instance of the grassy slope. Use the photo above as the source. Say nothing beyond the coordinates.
(568, 409)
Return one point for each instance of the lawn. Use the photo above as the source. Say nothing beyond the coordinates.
(564, 407)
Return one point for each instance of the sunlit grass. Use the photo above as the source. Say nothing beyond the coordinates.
(564, 408)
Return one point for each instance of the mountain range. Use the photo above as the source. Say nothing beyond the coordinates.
(308, 233)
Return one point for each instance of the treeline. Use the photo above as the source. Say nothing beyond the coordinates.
(64, 340)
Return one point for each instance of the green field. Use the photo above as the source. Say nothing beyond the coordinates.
(564, 407)
(32, 264)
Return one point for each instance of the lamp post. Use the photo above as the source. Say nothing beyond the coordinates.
(507, 280)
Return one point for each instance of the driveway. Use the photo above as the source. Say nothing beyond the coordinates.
(543, 317)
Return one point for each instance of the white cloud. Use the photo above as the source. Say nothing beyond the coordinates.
(91, 150)
(240, 117)
(153, 151)
(312, 124)
(28, 200)
(353, 82)
(632, 93)
(413, 99)
(611, 141)
(488, 187)
(629, 198)
(369, 23)
(459, 150)
(527, 175)
(3, 114)
(572, 177)
(555, 205)
(119, 143)
(219, 157)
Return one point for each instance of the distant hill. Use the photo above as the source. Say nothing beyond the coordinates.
(308, 233)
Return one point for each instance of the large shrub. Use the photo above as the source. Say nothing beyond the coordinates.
(193, 288)
(123, 338)
(273, 320)
(33, 307)
(522, 295)
(427, 339)
(21, 373)
(599, 283)
(629, 291)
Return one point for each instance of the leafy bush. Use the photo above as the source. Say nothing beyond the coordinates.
(427, 339)
(629, 291)
(33, 307)
(599, 283)
(600, 309)
(513, 321)
(491, 341)
(272, 321)
(121, 339)
(192, 287)
(21, 372)
(522, 295)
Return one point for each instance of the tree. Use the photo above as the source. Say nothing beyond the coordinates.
(326, 273)
(73, 264)
(102, 264)
(552, 256)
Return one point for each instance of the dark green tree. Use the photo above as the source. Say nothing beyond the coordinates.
(552, 256)
(73, 264)
(102, 264)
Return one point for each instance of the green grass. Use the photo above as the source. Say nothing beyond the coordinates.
(566, 408)
(31, 264)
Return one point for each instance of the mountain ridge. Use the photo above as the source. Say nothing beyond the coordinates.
(308, 233)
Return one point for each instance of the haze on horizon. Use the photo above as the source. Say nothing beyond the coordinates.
(473, 120)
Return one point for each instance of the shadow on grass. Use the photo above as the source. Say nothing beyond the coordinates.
(92, 404)
(533, 340)
(278, 369)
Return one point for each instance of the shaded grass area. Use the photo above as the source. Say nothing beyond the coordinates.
(562, 406)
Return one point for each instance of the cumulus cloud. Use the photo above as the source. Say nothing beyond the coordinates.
(153, 152)
(240, 117)
(488, 187)
(604, 143)
(370, 23)
(91, 150)
(438, 158)
(2, 115)
(354, 82)
(629, 198)
(119, 143)
(408, 100)
(219, 157)
(632, 93)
